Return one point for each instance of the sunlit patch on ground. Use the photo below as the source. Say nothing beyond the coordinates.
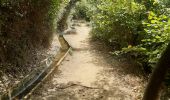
(90, 73)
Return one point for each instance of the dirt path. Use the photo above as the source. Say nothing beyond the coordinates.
(91, 73)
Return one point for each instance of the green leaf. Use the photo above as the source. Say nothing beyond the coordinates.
(158, 37)
(153, 21)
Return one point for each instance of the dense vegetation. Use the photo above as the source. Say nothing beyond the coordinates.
(80, 11)
(26, 26)
(139, 29)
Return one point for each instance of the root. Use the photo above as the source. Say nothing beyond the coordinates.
(74, 84)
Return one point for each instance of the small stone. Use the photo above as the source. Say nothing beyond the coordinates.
(51, 90)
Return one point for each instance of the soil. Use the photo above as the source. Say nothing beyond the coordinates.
(10, 79)
(90, 72)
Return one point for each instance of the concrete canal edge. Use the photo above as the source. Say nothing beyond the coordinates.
(31, 82)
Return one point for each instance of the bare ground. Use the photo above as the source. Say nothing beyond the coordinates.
(91, 73)
(10, 79)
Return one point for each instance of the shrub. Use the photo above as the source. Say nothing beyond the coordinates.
(80, 11)
(154, 40)
(140, 28)
(117, 21)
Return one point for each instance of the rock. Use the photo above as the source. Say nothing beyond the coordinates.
(70, 31)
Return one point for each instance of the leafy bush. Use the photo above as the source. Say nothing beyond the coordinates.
(154, 39)
(156, 36)
(140, 28)
(117, 21)
(80, 11)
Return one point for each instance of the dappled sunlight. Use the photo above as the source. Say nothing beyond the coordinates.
(88, 70)
(84, 49)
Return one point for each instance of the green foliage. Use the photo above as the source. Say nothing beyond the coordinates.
(140, 28)
(54, 8)
(154, 39)
(166, 3)
(117, 21)
(80, 11)
(156, 36)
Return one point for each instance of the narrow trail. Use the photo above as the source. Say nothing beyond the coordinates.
(91, 73)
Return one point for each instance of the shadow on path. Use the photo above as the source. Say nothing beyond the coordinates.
(91, 73)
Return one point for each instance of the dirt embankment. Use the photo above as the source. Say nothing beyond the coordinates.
(25, 38)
